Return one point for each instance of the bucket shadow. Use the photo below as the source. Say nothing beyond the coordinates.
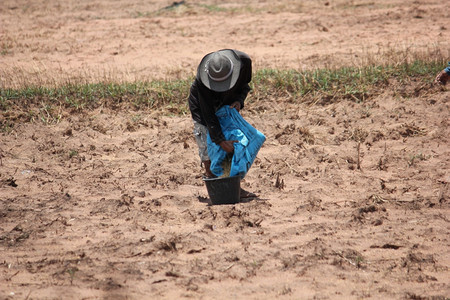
(207, 201)
(204, 200)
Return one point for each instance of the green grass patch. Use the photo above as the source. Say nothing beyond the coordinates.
(347, 82)
(213, 8)
(353, 83)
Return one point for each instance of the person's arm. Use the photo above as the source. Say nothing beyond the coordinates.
(242, 95)
(443, 76)
(209, 115)
(194, 105)
(245, 76)
(214, 128)
(212, 122)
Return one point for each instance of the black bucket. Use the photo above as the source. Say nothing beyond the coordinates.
(224, 190)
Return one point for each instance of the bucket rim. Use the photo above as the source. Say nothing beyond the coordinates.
(220, 178)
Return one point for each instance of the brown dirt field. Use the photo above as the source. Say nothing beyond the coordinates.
(110, 203)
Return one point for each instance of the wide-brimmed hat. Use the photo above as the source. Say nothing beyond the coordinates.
(219, 71)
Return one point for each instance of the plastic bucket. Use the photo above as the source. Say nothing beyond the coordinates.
(224, 190)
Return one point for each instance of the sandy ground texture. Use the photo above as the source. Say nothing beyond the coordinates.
(52, 41)
(110, 204)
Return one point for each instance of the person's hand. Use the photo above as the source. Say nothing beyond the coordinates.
(236, 105)
(442, 77)
(227, 146)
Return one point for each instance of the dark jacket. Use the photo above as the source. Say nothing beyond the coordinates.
(204, 102)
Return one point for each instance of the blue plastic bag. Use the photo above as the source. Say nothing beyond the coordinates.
(250, 140)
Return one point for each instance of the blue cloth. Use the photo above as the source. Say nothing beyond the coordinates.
(250, 140)
(447, 70)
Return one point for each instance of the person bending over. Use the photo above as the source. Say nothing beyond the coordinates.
(222, 78)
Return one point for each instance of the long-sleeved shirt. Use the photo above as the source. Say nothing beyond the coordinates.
(447, 70)
(203, 102)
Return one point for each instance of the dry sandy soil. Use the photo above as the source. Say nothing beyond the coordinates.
(111, 204)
